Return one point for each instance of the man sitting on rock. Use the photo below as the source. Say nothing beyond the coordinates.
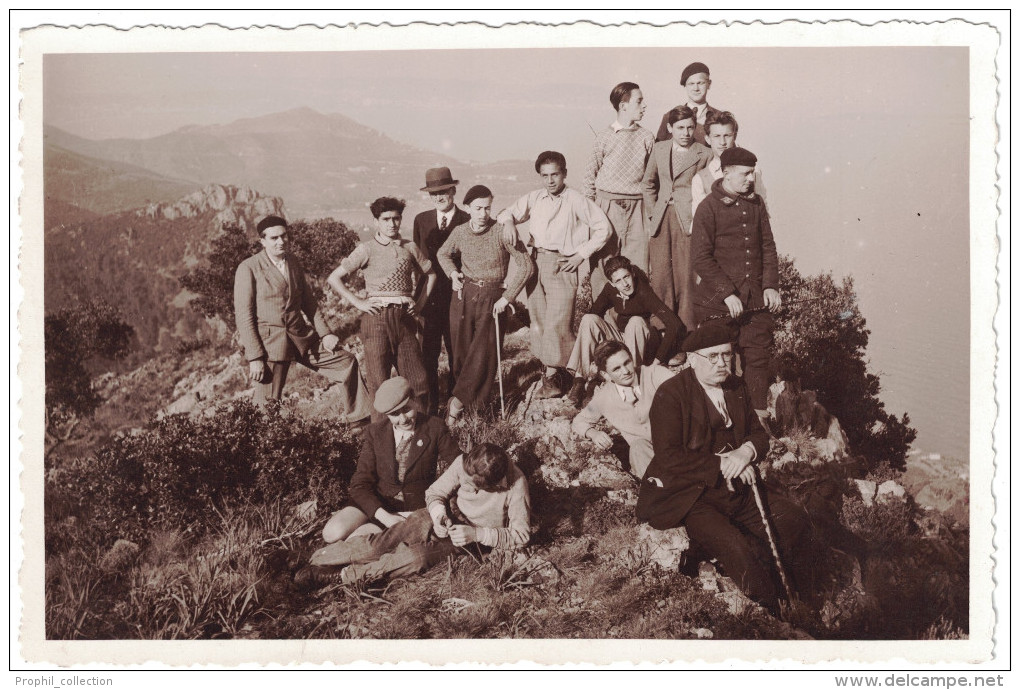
(624, 401)
(398, 462)
(272, 306)
(706, 439)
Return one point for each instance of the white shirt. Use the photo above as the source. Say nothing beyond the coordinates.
(701, 110)
(448, 215)
(281, 266)
(628, 392)
(399, 435)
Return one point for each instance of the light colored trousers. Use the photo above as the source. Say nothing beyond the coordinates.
(594, 330)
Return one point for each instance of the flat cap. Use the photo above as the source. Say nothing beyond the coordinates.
(709, 334)
(271, 222)
(738, 156)
(692, 69)
(392, 395)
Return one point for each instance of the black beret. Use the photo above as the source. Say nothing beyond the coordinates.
(738, 156)
(271, 222)
(477, 192)
(709, 334)
(692, 69)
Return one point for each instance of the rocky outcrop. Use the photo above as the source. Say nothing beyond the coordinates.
(242, 206)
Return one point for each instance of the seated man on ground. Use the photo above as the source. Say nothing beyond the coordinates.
(624, 401)
(492, 509)
(706, 438)
(631, 297)
(398, 461)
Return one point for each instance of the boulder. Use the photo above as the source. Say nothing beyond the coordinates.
(868, 489)
(664, 547)
(890, 491)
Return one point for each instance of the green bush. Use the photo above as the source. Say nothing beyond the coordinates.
(179, 473)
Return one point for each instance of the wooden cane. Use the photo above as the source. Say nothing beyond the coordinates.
(772, 539)
(499, 369)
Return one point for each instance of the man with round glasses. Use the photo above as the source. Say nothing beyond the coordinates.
(706, 438)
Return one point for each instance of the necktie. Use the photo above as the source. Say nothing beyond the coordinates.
(695, 109)
(402, 452)
(442, 225)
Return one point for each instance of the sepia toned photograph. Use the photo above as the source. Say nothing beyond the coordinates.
(454, 333)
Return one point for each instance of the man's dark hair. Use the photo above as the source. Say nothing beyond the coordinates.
(605, 350)
(723, 118)
(621, 93)
(615, 263)
(387, 203)
(681, 112)
(487, 464)
(550, 157)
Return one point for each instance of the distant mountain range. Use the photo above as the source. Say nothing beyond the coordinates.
(321, 165)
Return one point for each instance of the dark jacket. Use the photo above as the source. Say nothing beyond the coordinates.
(644, 303)
(429, 239)
(684, 461)
(374, 484)
(733, 250)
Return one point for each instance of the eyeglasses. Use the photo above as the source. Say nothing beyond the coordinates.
(716, 357)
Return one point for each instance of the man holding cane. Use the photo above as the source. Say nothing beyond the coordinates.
(706, 439)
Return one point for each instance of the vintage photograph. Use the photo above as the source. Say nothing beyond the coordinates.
(456, 333)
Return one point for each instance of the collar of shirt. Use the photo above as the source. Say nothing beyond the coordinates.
(702, 110)
(715, 166)
(677, 148)
(617, 127)
(448, 215)
(544, 194)
(281, 264)
(400, 434)
(634, 390)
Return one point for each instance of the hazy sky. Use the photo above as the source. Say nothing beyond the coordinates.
(864, 151)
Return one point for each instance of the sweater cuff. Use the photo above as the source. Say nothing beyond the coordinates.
(487, 536)
(437, 510)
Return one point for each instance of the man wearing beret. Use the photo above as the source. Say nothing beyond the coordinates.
(431, 228)
(696, 82)
(735, 258)
(706, 439)
(271, 303)
(398, 462)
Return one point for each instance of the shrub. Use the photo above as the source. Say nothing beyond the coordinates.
(177, 474)
(823, 343)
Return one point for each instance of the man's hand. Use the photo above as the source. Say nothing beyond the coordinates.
(330, 342)
(601, 439)
(772, 299)
(733, 463)
(258, 371)
(457, 281)
(735, 306)
(501, 304)
(462, 535)
(368, 305)
(747, 476)
(509, 230)
(570, 263)
(387, 518)
(441, 525)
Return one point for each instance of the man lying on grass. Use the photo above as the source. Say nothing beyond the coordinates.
(492, 509)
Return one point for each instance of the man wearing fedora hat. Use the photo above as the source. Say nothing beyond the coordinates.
(696, 82)
(272, 307)
(734, 255)
(706, 438)
(431, 229)
(398, 461)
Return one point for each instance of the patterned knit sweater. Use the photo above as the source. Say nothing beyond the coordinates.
(485, 257)
(617, 162)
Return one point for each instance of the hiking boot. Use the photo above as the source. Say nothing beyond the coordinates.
(549, 389)
(577, 391)
(315, 576)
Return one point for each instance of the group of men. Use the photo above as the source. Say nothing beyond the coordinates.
(675, 225)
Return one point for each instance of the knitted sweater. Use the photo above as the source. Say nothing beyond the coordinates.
(617, 162)
(485, 257)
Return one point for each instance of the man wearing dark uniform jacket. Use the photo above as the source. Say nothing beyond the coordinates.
(706, 439)
(431, 229)
(735, 258)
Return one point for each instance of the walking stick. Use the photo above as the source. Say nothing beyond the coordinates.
(772, 539)
(499, 368)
